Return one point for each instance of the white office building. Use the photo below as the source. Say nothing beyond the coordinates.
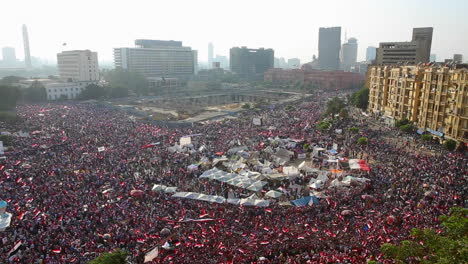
(64, 90)
(78, 66)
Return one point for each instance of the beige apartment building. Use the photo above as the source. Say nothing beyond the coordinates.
(433, 97)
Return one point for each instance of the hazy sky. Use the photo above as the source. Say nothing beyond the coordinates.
(289, 27)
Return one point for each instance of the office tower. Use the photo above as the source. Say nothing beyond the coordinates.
(413, 52)
(371, 53)
(9, 57)
(349, 54)
(433, 58)
(210, 55)
(223, 61)
(294, 63)
(78, 66)
(251, 63)
(157, 58)
(27, 54)
(457, 58)
(195, 61)
(329, 48)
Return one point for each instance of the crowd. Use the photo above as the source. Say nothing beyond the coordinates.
(71, 201)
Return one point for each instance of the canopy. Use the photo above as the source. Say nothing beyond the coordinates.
(234, 179)
(253, 200)
(307, 200)
(273, 194)
(200, 197)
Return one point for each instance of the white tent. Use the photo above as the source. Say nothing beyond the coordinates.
(158, 187)
(273, 194)
(256, 186)
(200, 197)
(5, 220)
(253, 200)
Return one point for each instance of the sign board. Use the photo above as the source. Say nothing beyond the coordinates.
(2, 149)
(338, 131)
(185, 141)
(301, 156)
(335, 146)
(101, 149)
(257, 121)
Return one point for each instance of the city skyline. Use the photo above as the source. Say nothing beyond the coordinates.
(286, 35)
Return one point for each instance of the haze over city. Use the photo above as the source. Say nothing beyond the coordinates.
(288, 27)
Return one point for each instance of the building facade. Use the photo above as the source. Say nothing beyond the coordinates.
(327, 80)
(413, 52)
(251, 63)
(329, 48)
(64, 90)
(433, 97)
(9, 56)
(78, 66)
(294, 63)
(157, 58)
(458, 58)
(349, 54)
(210, 54)
(371, 53)
(27, 52)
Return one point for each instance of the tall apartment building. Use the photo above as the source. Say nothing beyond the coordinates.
(349, 54)
(157, 58)
(78, 66)
(434, 98)
(210, 55)
(27, 52)
(329, 48)
(413, 52)
(251, 63)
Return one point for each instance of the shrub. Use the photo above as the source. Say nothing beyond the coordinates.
(324, 125)
(362, 141)
(426, 137)
(354, 130)
(402, 122)
(9, 117)
(407, 128)
(117, 257)
(246, 106)
(450, 144)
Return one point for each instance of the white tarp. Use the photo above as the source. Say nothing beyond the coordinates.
(233, 179)
(291, 171)
(253, 200)
(185, 141)
(164, 188)
(151, 255)
(5, 221)
(200, 197)
(273, 194)
(257, 121)
(101, 149)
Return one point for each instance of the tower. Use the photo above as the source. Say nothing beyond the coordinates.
(210, 55)
(329, 48)
(27, 54)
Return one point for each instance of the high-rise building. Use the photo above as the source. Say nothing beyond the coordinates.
(457, 58)
(415, 51)
(157, 58)
(78, 66)
(371, 53)
(27, 53)
(223, 61)
(349, 54)
(433, 97)
(251, 63)
(9, 56)
(294, 63)
(210, 54)
(329, 48)
(433, 57)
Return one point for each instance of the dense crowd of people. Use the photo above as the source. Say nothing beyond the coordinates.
(71, 202)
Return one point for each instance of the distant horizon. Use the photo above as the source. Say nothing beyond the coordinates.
(290, 29)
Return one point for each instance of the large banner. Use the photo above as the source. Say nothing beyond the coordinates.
(2, 149)
(185, 141)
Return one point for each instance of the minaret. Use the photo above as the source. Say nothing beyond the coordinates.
(27, 54)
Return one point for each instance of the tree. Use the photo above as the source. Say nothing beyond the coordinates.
(6, 139)
(362, 141)
(407, 128)
(131, 80)
(344, 113)
(354, 130)
(92, 91)
(9, 80)
(9, 97)
(117, 257)
(35, 93)
(246, 106)
(426, 137)
(334, 106)
(402, 122)
(450, 144)
(324, 125)
(117, 92)
(360, 98)
(430, 246)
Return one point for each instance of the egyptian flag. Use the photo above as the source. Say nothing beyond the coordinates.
(57, 251)
(150, 145)
(15, 249)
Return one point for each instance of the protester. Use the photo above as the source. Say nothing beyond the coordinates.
(68, 186)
